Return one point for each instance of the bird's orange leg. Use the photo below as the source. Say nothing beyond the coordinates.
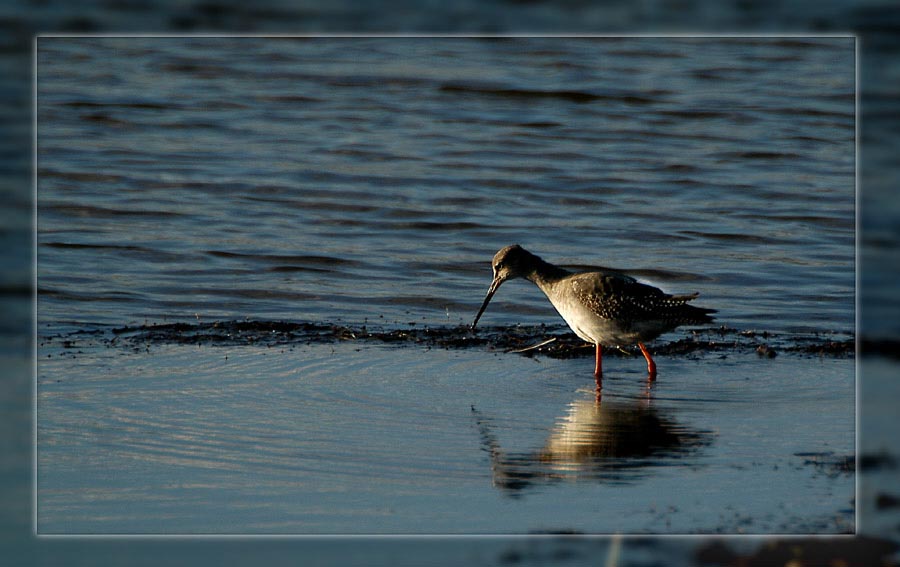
(651, 366)
(598, 361)
(598, 368)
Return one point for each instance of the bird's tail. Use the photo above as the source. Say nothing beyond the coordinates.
(691, 314)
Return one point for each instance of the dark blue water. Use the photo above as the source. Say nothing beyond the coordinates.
(372, 179)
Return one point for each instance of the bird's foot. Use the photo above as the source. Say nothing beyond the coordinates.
(651, 366)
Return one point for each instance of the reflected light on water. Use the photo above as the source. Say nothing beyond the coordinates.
(596, 441)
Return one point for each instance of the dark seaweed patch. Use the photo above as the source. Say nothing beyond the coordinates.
(552, 341)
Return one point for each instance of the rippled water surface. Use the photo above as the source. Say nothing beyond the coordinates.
(367, 178)
(369, 181)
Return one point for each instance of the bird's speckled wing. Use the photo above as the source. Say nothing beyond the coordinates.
(617, 296)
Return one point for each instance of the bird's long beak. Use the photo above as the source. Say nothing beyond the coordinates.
(491, 290)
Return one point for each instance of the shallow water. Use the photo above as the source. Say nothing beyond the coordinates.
(370, 181)
(342, 439)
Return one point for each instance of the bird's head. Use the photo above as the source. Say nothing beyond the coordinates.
(509, 263)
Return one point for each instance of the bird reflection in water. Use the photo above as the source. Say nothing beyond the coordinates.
(597, 441)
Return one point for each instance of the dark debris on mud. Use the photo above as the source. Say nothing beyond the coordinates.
(545, 340)
(829, 463)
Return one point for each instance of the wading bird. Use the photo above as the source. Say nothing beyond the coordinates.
(605, 308)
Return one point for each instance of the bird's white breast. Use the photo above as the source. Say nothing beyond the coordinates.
(583, 320)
